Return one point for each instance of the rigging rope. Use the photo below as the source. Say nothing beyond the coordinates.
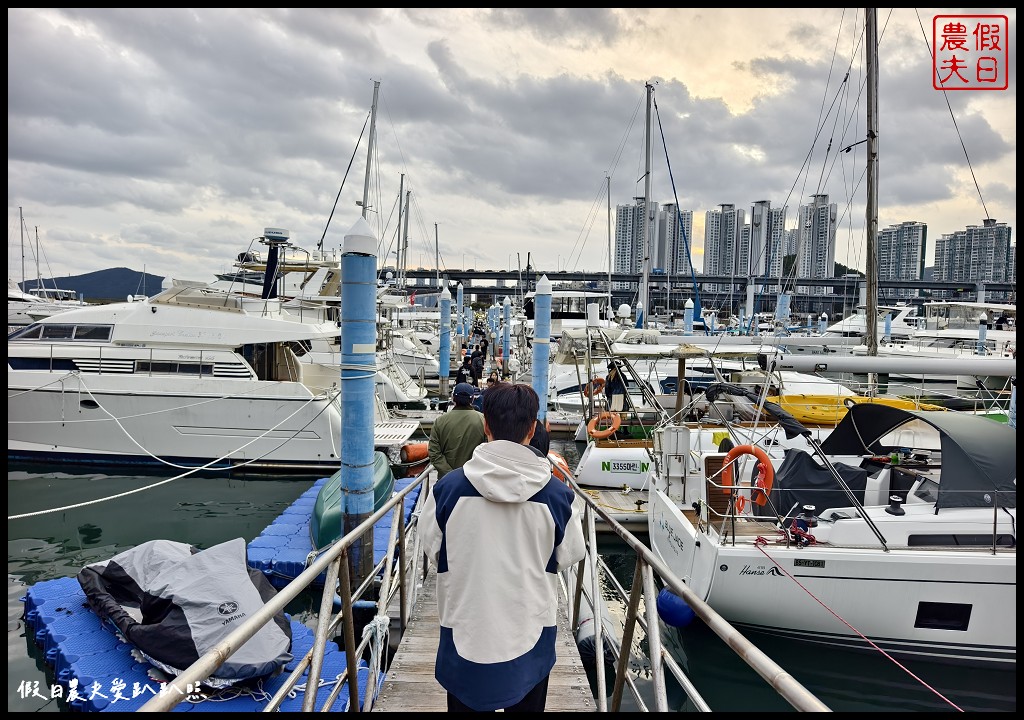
(760, 545)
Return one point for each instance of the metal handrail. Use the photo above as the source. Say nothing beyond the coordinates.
(395, 579)
(334, 561)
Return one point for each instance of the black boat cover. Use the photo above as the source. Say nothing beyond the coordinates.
(801, 480)
(174, 602)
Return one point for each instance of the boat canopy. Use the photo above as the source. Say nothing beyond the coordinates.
(979, 463)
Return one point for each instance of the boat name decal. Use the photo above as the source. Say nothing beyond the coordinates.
(670, 534)
(809, 563)
(183, 333)
(628, 466)
(760, 570)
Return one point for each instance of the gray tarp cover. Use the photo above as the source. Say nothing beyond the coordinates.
(174, 603)
(979, 456)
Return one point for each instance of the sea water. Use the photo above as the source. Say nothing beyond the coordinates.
(91, 516)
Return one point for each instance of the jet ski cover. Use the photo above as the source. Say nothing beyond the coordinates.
(174, 602)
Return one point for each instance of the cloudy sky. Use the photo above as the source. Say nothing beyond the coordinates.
(167, 140)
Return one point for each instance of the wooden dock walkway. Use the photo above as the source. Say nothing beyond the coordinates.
(410, 685)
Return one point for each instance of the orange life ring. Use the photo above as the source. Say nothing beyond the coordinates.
(607, 432)
(594, 387)
(559, 466)
(765, 479)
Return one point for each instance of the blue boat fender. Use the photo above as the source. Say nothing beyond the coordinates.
(673, 610)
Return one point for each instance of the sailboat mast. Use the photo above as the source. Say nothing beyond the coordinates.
(871, 261)
(21, 223)
(399, 265)
(405, 240)
(647, 222)
(437, 261)
(608, 182)
(369, 146)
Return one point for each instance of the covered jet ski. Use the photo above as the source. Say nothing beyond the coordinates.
(174, 602)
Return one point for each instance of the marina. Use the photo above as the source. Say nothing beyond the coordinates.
(210, 510)
(265, 490)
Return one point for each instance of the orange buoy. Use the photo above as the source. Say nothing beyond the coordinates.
(559, 467)
(415, 457)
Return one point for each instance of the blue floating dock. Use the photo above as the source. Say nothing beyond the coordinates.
(96, 669)
(98, 673)
(281, 550)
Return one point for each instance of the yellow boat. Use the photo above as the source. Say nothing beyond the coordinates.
(829, 409)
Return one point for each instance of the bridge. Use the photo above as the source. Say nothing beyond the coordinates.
(829, 295)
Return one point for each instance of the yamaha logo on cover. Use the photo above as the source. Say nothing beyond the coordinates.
(227, 608)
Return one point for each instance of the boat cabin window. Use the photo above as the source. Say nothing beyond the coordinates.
(173, 368)
(36, 331)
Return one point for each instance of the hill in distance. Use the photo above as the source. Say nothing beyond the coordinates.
(110, 285)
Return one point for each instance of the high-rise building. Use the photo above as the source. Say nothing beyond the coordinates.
(901, 253)
(630, 246)
(673, 240)
(722, 233)
(977, 254)
(816, 246)
(762, 250)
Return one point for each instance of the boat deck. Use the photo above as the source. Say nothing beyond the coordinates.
(409, 685)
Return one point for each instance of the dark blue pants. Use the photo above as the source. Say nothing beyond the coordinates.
(532, 702)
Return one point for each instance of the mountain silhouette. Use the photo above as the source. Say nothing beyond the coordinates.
(110, 285)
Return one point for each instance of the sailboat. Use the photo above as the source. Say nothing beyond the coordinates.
(897, 532)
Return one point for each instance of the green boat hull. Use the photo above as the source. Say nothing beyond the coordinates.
(326, 523)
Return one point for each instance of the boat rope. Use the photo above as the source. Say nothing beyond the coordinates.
(328, 395)
(176, 477)
(760, 545)
(376, 631)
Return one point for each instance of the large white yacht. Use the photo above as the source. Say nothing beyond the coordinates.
(191, 377)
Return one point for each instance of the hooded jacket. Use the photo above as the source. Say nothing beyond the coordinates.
(499, 529)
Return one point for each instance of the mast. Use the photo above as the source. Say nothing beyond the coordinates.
(608, 179)
(21, 223)
(437, 262)
(405, 241)
(399, 262)
(871, 263)
(369, 146)
(647, 224)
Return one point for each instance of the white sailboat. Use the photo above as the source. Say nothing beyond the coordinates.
(895, 532)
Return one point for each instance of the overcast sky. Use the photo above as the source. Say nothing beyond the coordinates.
(167, 140)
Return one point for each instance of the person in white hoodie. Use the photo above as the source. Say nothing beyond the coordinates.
(499, 529)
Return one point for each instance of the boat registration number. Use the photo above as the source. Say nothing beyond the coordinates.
(626, 466)
(809, 563)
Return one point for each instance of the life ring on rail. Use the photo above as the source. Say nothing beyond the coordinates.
(559, 466)
(765, 477)
(615, 420)
(594, 387)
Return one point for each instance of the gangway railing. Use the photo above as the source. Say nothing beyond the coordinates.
(404, 566)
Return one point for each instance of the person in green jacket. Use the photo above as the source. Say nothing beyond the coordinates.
(456, 434)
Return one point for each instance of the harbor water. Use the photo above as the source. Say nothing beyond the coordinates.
(205, 511)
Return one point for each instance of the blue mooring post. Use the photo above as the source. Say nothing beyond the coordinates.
(445, 352)
(358, 368)
(639, 315)
(823, 323)
(507, 336)
(887, 335)
(688, 317)
(460, 325)
(541, 343)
